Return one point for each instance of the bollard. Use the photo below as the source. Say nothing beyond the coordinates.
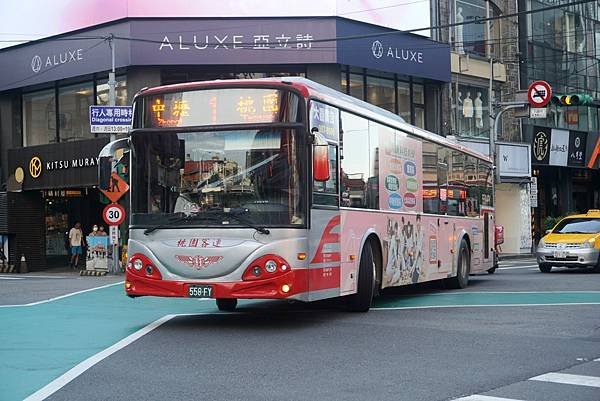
(23, 266)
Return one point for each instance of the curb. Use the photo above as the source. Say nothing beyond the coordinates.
(92, 273)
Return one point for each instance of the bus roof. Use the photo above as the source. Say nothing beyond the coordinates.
(312, 89)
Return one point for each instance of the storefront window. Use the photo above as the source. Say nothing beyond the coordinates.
(39, 118)
(420, 117)
(356, 86)
(404, 100)
(121, 98)
(471, 111)
(74, 104)
(380, 92)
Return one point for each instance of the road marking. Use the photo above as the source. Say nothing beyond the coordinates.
(482, 306)
(484, 398)
(62, 296)
(10, 278)
(566, 378)
(67, 377)
(517, 267)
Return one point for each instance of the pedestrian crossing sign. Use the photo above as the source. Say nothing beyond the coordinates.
(117, 187)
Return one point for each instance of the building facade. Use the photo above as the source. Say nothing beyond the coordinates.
(562, 47)
(49, 155)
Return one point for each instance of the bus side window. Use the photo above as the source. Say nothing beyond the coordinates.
(431, 199)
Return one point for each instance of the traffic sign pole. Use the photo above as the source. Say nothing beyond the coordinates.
(114, 214)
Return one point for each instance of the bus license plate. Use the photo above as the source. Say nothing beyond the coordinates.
(560, 254)
(200, 291)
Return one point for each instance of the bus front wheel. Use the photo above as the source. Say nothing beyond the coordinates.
(361, 301)
(226, 304)
(464, 268)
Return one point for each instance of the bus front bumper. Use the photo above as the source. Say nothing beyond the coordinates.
(280, 287)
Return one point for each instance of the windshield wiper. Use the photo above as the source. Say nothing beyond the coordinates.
(236, 213)
(174, 220)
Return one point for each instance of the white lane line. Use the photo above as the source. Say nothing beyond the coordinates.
(67, 377)
(565, 378)
(483, 306)
(463, 292)
(484, 398)
(597, 360)
(517, 267)
(10, 278)
(62, 296)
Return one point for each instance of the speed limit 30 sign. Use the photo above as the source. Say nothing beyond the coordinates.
(113, 214)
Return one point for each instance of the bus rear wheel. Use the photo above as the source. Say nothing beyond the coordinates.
(361, 301)
(226, 304)
(464, 268)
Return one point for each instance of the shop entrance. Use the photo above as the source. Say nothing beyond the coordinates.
(63, 208)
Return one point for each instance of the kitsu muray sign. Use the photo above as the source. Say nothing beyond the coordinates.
(400, 175)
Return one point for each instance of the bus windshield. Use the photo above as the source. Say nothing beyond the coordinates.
(255, 172)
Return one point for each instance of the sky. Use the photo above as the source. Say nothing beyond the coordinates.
(23, 20)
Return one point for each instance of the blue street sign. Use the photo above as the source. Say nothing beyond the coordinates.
(110, 119)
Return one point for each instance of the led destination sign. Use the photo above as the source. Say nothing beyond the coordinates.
(217, 106)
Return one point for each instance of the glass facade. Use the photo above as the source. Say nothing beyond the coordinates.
(474, 38)
(563, 48)
(61, 114)
(400, 95)
(470, 111)
(74, 111)
(39, 118)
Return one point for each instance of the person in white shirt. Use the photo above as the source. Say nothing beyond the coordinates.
(76, 244)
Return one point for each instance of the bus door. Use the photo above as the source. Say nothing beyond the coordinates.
(445, 244)
(324, 243)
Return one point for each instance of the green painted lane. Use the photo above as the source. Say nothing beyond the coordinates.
(463, 299)
(41, 342)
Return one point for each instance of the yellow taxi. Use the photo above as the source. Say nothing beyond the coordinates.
(573, 242)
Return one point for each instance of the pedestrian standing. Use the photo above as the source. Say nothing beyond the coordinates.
(76, 244)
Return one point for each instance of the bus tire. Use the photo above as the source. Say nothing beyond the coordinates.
(361, 301)
(544, 268)
(226, 304)
(464, 268)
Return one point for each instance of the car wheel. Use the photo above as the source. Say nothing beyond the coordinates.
(226, 304)
(544, 268)
(596, 268)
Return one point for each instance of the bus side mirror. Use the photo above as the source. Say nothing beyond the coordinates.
(321, 171)
(106, 157)
(104, 172)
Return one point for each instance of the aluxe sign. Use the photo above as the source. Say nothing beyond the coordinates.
(225, 41)
(398, 52)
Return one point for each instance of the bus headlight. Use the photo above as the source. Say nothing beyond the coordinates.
(138, 264)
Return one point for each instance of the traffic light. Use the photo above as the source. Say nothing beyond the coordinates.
(575, 99)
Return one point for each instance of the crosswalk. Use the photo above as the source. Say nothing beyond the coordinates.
(577, 386)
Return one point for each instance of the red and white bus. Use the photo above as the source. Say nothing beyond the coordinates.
(287, 189)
